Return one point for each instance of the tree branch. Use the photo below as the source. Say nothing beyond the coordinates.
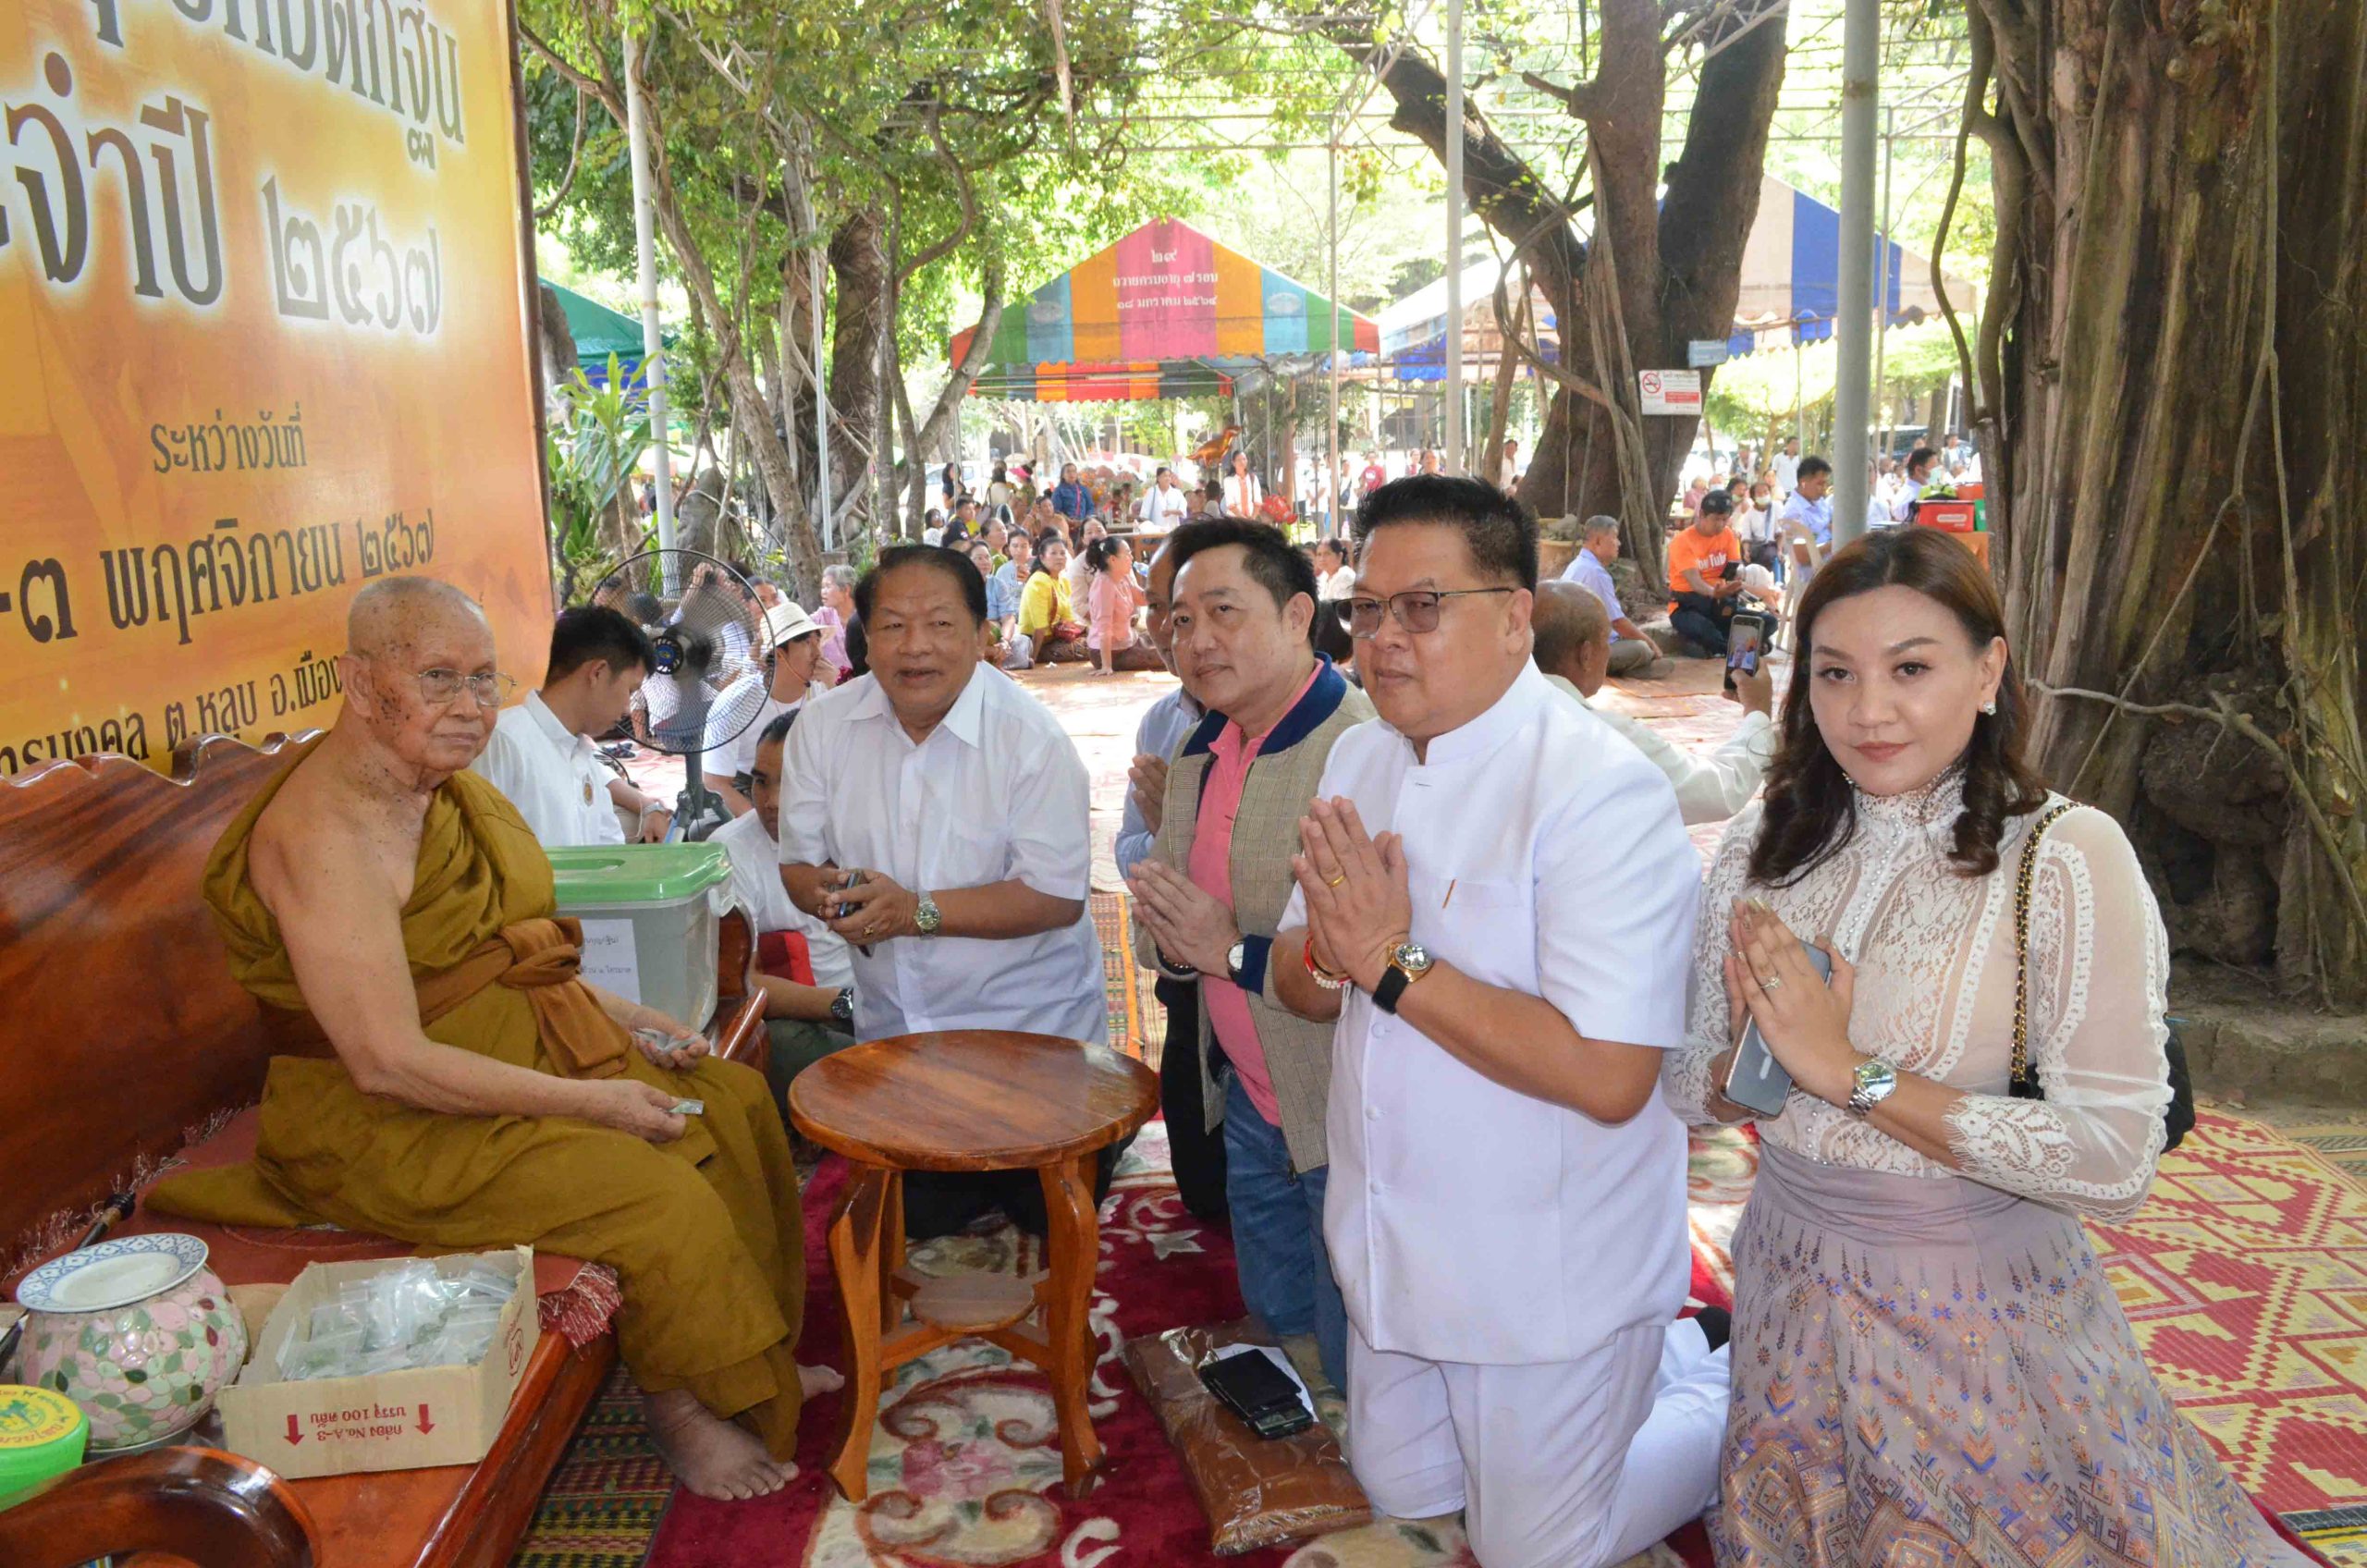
(2236, 721)
(574, 154)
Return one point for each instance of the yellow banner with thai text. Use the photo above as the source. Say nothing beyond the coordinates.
(264, 338)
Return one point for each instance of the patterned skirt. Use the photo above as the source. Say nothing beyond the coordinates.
(1928, 1373)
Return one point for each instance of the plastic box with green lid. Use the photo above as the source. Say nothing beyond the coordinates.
(650, 914)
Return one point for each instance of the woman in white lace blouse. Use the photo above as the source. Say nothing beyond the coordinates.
(1930, 1365)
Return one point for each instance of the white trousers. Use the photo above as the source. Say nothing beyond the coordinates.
(1569, 1465)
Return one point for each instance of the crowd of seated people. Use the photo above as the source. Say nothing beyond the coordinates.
(1442, 969)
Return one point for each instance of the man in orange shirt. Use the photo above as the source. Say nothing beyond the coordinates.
(1703, 592)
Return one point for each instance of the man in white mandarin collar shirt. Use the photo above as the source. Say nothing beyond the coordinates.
(960, 806)
(1496, 899)
(541, 753)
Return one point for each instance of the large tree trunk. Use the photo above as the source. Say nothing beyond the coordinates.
(1676, 247)
(858, 258)
(2170, 385)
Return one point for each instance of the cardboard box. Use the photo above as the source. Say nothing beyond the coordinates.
(393, 1421)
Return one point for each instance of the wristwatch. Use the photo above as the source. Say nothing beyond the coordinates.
(1873, 1082)
(925, 916)
(1408, 963)
(1236, 957)
(842, 1006)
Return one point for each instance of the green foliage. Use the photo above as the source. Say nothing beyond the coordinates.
(595, 443)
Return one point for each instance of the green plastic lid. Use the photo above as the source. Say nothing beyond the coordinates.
(636, 874)
(42, 1434)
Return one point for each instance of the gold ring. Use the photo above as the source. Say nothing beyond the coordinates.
(1337, 881)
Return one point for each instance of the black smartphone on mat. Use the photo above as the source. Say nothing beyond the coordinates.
(1261, 1393)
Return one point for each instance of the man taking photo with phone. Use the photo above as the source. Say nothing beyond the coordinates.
(1705, 576)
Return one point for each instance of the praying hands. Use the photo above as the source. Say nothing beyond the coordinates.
(1192, 927)
(1358, 908)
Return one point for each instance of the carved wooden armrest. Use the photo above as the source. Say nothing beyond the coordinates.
(199, 1504)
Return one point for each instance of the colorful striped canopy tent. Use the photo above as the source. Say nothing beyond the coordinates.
(1165, 312)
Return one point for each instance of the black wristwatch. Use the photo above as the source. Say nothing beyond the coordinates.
(1408, 963)
(842, 1006)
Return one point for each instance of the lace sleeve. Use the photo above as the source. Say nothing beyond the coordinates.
(1684, 1075)
(2096, 1036)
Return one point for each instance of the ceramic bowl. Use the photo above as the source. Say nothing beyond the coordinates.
(137, 1331)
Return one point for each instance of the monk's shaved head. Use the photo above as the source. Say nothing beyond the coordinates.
(398, 613)
(1568, 617)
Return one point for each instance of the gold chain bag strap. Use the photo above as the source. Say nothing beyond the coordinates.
(2177, 1118)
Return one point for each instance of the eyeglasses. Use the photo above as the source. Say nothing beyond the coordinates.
(442, 688)
(1416, 611)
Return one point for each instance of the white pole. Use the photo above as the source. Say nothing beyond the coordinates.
(1452, 344)
(1332, 522)
(1852, 329)
(653, 335)
(827, 527)
(1882, 285)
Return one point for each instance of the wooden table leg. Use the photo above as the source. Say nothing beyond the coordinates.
(1075, 1248)
(857, 1254)
(891, 1254)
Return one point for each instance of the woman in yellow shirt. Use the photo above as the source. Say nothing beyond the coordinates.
(1046, 608)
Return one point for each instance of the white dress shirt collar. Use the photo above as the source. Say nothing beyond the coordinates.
(1481, 736)
(965, 718)
(568, 741)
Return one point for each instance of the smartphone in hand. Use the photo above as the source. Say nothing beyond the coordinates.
(1746, 644)
(1756, 1081)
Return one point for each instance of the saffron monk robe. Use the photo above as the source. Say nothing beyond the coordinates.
(477, 1092)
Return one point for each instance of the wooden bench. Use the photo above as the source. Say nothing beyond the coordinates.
(126, 1039)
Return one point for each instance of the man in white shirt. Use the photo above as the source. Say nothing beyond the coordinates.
(541, 753)
(1165, 504)
(1787, 466)
(940, 812)
(1505, 951)
(1574, 650)
(806, 1021)
(1194, 1151)
(1919, 475)
(1631, 652)
(1508, 467)
(742, 709)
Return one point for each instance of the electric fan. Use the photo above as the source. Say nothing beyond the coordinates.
(712, 671)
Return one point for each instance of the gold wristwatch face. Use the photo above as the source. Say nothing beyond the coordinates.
(1413, 958)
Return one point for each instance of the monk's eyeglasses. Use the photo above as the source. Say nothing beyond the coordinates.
(442, 688)
(1416, 611)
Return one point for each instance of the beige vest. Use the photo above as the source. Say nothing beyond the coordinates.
(1264, 833)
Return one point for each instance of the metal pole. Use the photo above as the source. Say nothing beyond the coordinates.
(653, 335)
(1332, 410)
(1860, 86)
(1882, 286)
(826, 525)
(1451, 346)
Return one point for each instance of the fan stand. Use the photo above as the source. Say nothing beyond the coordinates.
(699, 811)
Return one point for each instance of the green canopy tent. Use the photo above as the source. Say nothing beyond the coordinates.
(600, 332)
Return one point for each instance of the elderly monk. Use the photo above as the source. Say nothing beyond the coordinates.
(463, 1088)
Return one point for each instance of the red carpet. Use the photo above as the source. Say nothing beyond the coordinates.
(966, 1468)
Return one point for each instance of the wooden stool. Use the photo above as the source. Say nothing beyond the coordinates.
(968, 1100)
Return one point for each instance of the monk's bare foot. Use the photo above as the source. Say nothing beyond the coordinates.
(811, 1380)
(710, 1455)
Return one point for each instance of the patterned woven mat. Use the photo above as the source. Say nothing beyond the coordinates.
(609, 1495)
(2245, 1277)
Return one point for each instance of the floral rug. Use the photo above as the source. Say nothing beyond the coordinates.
(965, 1464)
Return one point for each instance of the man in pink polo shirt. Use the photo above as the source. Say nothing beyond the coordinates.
(1215, 884)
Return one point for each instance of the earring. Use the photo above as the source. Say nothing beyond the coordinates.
(1989, 707)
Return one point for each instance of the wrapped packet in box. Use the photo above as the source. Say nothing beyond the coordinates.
(407, 1418)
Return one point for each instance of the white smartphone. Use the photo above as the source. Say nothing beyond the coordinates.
(1756, 1081)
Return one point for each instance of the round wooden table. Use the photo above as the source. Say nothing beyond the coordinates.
(968, 1100)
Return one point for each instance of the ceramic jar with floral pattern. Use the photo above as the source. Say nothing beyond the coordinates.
(144, 1369)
